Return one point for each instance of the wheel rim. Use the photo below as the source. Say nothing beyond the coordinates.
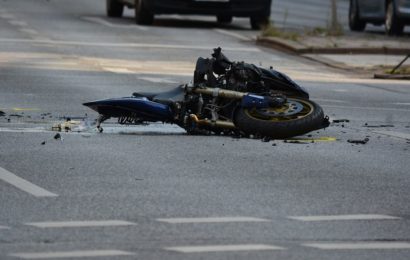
(294, 109)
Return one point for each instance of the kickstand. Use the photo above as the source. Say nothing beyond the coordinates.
(101, 118)
(399, 65)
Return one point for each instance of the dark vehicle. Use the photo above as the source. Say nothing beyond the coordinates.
(394, 14)
(224, 10)
(224, 98)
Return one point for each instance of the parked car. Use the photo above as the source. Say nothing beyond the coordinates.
(257, 10)
(394, 14)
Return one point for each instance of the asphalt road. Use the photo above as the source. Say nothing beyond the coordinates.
(154, 192)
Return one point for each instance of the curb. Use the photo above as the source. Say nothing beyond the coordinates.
(298, 48)
(392, 76)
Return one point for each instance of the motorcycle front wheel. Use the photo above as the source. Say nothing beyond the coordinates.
(296, 117)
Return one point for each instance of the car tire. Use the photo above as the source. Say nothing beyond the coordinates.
(224, 19)
(114, 8)
(355, 23)
(143, 15)
(392, 23)
(258, 22)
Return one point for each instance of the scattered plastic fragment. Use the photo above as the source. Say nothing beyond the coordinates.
(364, 141)
(66, 126)
(43, 143)
(57, 136)
(15, 115)
(341, 121)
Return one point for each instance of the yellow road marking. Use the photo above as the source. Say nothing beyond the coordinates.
(19, 109)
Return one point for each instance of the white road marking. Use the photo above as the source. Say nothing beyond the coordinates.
(4, 227)
(359, 245)
(113, 25)
(94, 223)
(402, 104)
(343, 217)
(394, 134)
(29, 31)
(131, 45)
(233, 34)
(211, 220)
(158, 80)
(72, 254)
(330, 100)
(222, 248)
(24, 185)
(118, 70)
(17, 23)
(369, 108)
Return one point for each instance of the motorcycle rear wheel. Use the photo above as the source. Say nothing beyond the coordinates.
(296, 117)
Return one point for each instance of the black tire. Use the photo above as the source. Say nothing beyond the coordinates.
(143, 15)
(355, 23)
(224, 19)
(114, 8)
(259, 22)
(252, 121)
(392, 23)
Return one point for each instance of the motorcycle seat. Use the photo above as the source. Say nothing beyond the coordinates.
(168, 97)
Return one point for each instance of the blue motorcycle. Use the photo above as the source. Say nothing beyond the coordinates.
(224, 98)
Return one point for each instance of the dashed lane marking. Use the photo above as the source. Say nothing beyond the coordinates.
(223, 248)
(233, 34)
(72, 254)
(158, 80)
(394, 134)
(113, 25)
(4, 227)
(18, 23)
(24, 185)
(343, 217)
(70, 224)
(359, 245)
(29, 31)
(211, 220)
(318, 139)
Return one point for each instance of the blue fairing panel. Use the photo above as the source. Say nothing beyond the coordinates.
(131, 106)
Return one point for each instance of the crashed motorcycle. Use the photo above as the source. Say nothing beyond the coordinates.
(225, 97)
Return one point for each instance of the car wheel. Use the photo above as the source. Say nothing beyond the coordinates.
(142, 13)
(224, 19)
(392, 23)
(114, 8)
(258, 22)
(355, 23)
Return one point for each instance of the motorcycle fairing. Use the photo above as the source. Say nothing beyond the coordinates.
(137, 107)
(279, 81)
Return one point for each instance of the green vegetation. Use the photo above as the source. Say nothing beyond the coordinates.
(272, 31)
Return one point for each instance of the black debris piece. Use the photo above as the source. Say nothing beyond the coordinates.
(43, 143)
(2, 113)
(294, 142)
(377, 126)
(8, 120)
(57, 136)
(364, 141)
(341, 121)
(266, 139)
(15, 115)
(273, 144)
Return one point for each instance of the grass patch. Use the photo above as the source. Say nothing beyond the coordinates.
(272, 31)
